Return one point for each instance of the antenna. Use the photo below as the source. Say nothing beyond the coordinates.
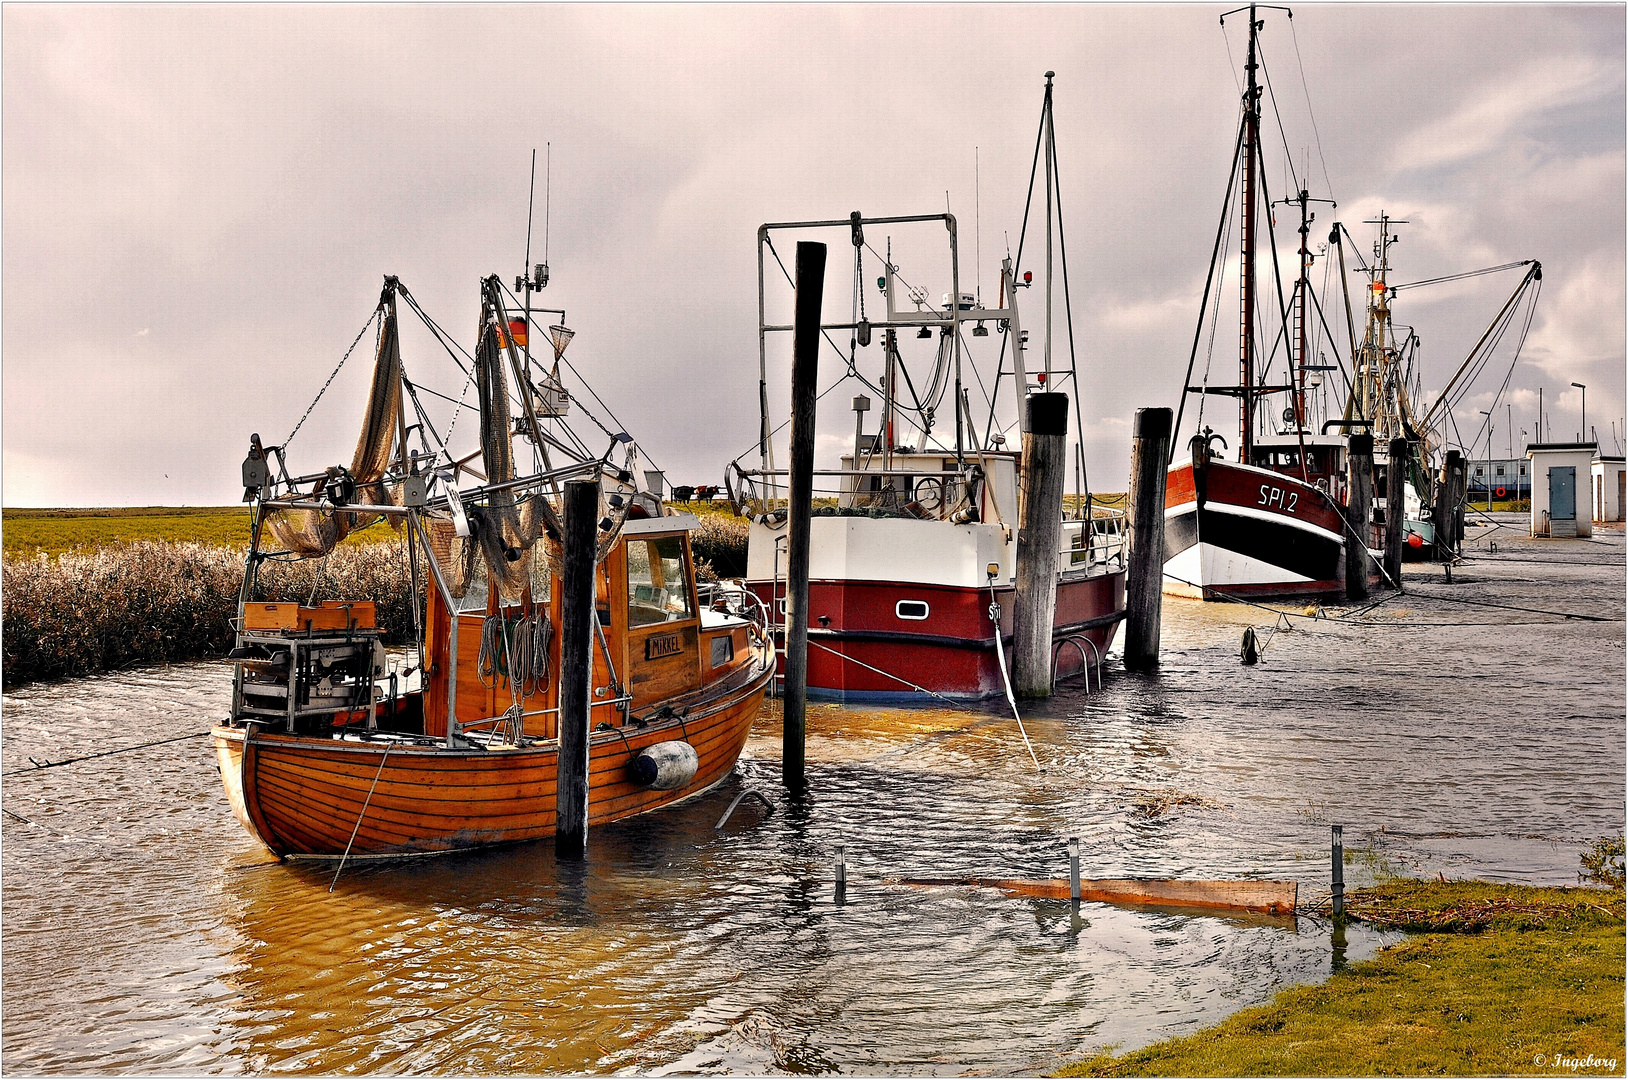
(531, 202)
(978, 228)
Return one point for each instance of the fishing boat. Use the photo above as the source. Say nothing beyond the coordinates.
(913, 540)
(1269, 524)
(337, 746)
(1274, 523)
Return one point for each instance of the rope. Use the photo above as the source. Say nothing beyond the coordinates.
(1514, 607)
(360, 816)
(38, 765)
(1006, 683)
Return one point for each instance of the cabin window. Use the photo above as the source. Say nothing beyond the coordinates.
(915, 610)
(1500, 470)
(723, 650)
(658, 588)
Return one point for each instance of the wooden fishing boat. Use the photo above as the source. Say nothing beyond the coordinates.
(912, 564)
(336, 746)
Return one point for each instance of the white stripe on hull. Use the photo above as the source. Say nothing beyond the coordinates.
(1216, 568)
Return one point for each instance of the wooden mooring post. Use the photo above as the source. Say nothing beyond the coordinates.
(1396, 510)
(1144, 576)
(1442, 514)
(1040, 536)
(804, 373)
(1358, 512)
(1337, 873)
(577, 617)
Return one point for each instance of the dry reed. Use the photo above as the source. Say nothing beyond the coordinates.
(146, 602)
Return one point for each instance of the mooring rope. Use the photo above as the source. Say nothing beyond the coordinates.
(38, 765)
(358, 827)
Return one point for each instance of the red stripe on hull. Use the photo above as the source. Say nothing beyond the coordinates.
(854, 627)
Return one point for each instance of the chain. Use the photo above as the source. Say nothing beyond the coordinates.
(335, 372)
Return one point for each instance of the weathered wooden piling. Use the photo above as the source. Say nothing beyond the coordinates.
(1461, 491)
(1040, 537)
(804, 372)
(1144, 576)
(1443, 514)
(1396, 509)
(576, 667)
(1358, 513)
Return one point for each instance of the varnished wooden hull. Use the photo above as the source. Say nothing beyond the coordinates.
(304, 797)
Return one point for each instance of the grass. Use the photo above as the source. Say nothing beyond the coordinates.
(52, 532)
(1503, 979)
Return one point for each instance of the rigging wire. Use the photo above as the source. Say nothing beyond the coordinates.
(1460, 277)
(1306, 89)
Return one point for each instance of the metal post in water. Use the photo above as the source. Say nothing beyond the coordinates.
(804, 371)
(1144, 576)
(1395, 510)
(577, 620)
(842, 871)
(1040, 536)
(1074, 862)
(1338, 877)
(1358, 512)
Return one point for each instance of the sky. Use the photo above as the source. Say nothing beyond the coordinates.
(198, 204)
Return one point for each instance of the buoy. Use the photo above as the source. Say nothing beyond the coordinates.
(664, 766)
(1251, 650)
(1415, 541)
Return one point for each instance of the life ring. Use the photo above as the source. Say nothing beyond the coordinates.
(1499, 493)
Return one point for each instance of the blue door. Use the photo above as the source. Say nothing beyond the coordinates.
(1563, 493)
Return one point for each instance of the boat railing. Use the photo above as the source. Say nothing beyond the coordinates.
(1098, 541)
(732, 597)
(922, 493)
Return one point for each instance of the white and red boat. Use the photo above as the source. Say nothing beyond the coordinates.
(1274, 523)
(1252, 530)
(1271, 523)
(913, 540)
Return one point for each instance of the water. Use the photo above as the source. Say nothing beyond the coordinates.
(144, 931)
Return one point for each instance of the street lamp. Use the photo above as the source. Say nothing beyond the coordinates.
(1583, 437)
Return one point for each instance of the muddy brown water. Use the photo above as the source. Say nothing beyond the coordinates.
(144, 931)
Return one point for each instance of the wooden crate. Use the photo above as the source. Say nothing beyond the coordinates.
(331, 615)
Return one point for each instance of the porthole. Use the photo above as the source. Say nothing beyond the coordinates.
(915, 610)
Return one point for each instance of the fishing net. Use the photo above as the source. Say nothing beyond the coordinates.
(313, 533)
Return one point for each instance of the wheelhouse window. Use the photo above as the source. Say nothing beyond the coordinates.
(658, 588)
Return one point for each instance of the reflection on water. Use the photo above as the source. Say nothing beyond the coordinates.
(144, 931)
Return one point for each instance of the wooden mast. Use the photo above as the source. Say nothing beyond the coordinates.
(1246, 266)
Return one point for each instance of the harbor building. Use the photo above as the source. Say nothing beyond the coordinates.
(1504, 479)
(1559, 488)
(1610, 486)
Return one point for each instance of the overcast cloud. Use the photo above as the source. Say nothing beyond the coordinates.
(200, 202)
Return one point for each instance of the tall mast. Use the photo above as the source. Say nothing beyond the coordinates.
(1246, 267)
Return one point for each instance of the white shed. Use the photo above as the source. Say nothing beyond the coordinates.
(1610, 480)
(1559, 493)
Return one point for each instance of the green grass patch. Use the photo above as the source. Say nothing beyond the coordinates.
(1503, 980)
(28, 533)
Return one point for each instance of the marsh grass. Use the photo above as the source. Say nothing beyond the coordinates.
(1504, 979)
(89, 610)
